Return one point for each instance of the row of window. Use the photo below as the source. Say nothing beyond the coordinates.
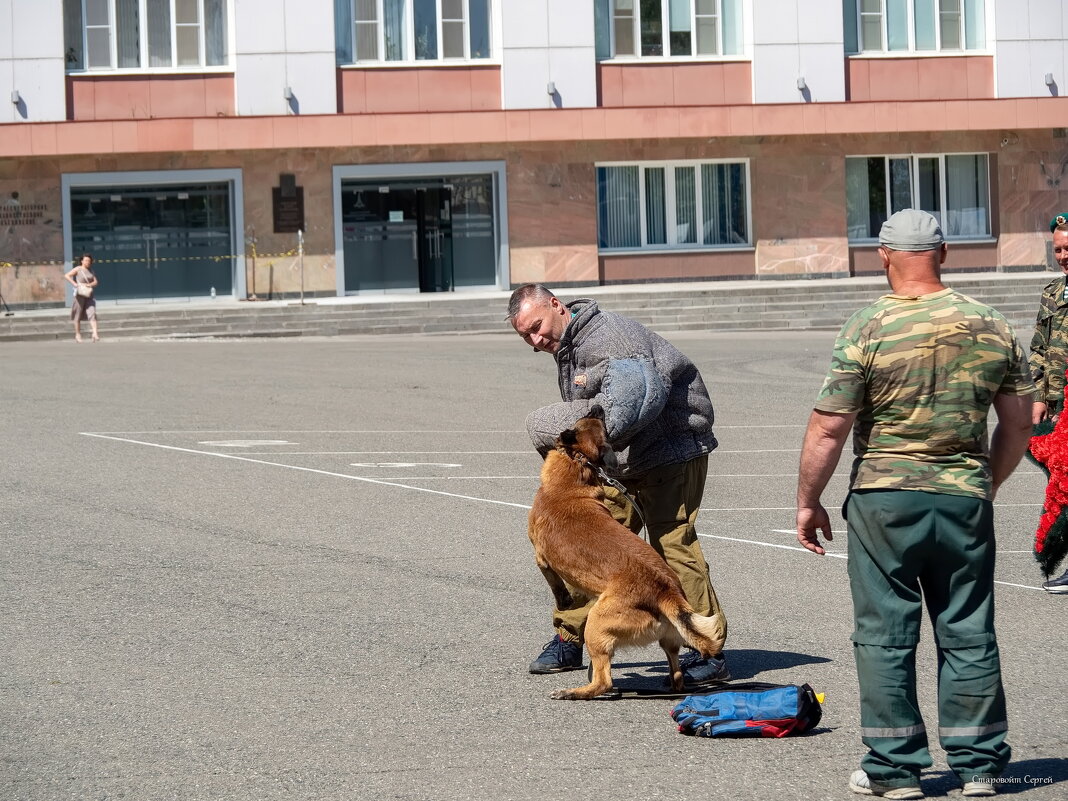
(190, 34)
(705, 204)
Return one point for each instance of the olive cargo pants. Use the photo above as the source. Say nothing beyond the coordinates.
(909, 548)
(669, 498)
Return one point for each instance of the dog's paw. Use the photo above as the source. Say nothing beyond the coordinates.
(562, 695)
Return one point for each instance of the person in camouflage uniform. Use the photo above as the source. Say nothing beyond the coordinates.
(1049, 350)
(1049, 345)
(914, 375)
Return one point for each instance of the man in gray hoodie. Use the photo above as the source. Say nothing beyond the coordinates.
(659, 421)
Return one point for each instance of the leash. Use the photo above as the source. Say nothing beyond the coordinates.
(618, 487)
(614, 484)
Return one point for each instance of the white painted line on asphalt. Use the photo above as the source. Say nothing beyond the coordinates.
(766, 475)
(387, 453)
(843, 533)
(842, 555)
(456, 478)
(769, 425)
(235, 457)
(324, 431)
(770, 544)
(760, 450)
(295, 467)
(245, 443)
(403, 464)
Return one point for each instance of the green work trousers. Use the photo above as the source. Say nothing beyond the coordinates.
(907, 549)
(669, 498)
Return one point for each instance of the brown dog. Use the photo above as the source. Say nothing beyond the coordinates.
(578, 543)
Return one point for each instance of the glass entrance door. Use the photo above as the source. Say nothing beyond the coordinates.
(397, 237)
(155, 243)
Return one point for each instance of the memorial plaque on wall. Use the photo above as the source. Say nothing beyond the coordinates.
(288, 210)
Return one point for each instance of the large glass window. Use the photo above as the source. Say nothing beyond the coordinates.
(877, 26)
(955, 188)
(145, 34)
(668, 28)
(374, 31)
(673, 205)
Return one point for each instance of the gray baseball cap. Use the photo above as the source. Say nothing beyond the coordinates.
(911, 229)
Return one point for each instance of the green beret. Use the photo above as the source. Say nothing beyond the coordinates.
(1060, 219)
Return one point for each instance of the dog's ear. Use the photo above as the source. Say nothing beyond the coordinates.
(597, 412)
(568, 438)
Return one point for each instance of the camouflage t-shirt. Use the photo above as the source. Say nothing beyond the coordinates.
(1049, 345)
(921, 374)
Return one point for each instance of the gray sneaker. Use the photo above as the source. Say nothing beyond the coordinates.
(558, 656)
(978, 790)
(861, 783)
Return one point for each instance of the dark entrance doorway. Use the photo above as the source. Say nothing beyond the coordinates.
(397, 236)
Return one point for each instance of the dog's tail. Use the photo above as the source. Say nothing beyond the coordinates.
(706, 634)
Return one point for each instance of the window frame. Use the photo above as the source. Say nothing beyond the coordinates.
(914, 193)
(910, 14)
(408, 42)
(670, 210)
(143, 51)
(665, 21)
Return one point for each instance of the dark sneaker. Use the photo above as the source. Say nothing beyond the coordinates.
(1057, 585)
(862, 784)
(697, 669)
(558, 656)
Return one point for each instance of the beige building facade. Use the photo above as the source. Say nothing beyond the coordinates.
(334, 148)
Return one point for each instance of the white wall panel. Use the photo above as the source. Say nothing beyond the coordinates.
(31, 61)
(6, 31)
(40, 29)
(1011, 19)
(776, 68)
(1013, 63)
(823, 66)
(258, 26)
(775, 22)
(1047, 56)
(569, 25)
(794, 38)
(820, 22)
(543, 41)
(312, 76)
(574, 71)
(284, 43)
(8, 111)
(309, 26)
(525, 74)
(1045, 18)
(260, 81)
(42, 85)
(526, 23)
(1030, 38)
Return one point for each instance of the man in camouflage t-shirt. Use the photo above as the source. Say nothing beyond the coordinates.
(914, 375)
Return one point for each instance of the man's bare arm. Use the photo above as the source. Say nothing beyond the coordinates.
(820, 452)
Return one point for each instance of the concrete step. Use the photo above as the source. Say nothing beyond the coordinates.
(752, 305)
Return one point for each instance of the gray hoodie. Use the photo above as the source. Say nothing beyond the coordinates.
(657, 410)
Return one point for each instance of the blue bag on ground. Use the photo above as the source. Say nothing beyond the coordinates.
(749, 709)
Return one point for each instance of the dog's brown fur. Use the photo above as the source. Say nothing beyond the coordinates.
(578, 544)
